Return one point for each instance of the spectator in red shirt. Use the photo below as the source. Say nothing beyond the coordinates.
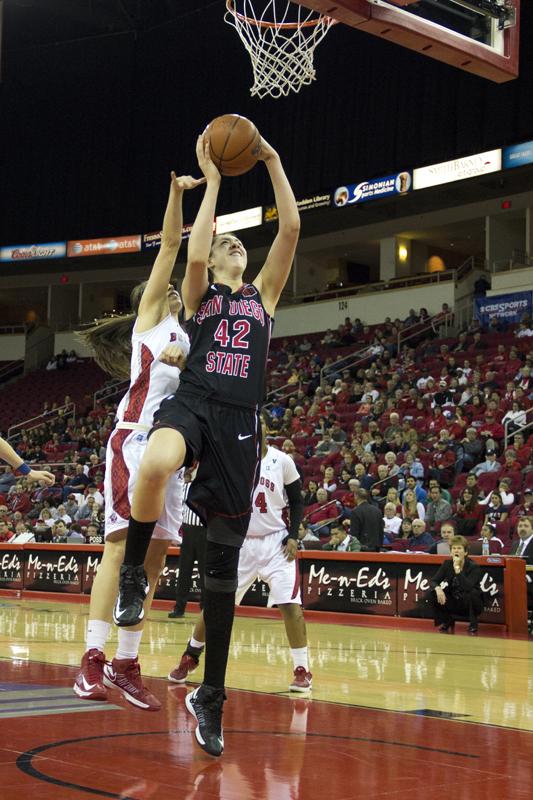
(522, 450)
(5, 531)
(442, 464)
(468, 513)
(490, 429)
(525, 509)
(319, 516)
(19, 501)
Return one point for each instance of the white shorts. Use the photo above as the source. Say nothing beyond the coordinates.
(125, 450)
(262, 557)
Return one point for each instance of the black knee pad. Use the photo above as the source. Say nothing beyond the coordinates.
(221, 563)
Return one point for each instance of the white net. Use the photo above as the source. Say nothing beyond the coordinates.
(280, 39)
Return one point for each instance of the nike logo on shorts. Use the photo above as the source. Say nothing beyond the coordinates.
(241, 437)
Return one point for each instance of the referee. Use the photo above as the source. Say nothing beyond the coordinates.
(192, 549)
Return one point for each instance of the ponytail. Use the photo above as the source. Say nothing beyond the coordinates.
(110, 339)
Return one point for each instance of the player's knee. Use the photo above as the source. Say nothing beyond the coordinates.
(221, 564)
(156, 468)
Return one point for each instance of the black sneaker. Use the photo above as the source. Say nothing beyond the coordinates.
(205, 704)
(176, 613)
(132, 590)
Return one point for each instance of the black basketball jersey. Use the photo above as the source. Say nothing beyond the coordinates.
(230, 337)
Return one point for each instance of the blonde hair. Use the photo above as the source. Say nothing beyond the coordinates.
(110, 339)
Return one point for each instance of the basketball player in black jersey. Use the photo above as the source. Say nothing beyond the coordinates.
(213, 419)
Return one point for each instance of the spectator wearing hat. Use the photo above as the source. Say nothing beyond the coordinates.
(489, 465)
(525, 509)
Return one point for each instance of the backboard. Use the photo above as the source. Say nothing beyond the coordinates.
(477, 36)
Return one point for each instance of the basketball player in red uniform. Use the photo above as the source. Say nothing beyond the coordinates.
(148, 347)
(269, 553)
(213, 418)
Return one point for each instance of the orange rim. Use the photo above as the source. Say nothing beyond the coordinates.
(310, 23)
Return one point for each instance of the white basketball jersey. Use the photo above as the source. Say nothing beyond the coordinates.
(151, 380)
(269, 502)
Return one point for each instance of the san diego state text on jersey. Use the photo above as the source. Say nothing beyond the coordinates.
(230, 335)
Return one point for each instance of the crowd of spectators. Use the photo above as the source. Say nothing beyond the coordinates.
(431, 431)
(421, 428)
(73, 448)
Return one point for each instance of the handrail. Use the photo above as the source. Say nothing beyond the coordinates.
(430, 325)
(357, 357)
(16, 430)
(523, 428)
(370, 288)
(11, 368)
(110, 390)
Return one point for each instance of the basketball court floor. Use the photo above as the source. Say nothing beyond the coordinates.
(393, 712)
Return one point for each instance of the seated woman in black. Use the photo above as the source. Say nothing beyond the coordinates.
(455, 589)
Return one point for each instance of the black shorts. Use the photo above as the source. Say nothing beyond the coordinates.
(226, 441)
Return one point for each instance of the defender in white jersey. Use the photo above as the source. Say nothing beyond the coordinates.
(269, 554)
(149, 347)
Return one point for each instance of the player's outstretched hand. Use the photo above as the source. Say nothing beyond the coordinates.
(184, 182)
(205, 162)
(42, 476)
(290, 550)
(266, 151)
(173, 356)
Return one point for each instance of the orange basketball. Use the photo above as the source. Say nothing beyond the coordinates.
(234, 143)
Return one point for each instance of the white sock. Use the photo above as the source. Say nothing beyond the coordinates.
(97, 633)
(195, 643)
(128, 643)
(300, 657)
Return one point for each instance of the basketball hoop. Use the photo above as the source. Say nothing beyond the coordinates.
(280, 41)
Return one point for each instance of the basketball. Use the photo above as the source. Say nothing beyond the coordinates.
(234, 144)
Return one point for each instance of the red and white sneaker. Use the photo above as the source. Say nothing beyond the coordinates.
(89, 683)
(302, 681)
(187, 664)
(124, 674)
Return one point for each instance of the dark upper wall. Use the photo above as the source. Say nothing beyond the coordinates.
(89, 130)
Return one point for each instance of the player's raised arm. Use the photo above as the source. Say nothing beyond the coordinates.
(153, 306)
(277, 266)
(196, 278)
(17, 465)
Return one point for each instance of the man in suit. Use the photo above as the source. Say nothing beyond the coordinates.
(366, 523)
(455, 589)
(524, 549)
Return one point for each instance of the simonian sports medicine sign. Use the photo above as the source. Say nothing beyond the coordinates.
(353, 193)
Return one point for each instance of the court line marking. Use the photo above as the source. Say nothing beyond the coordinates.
(24, 761)
(309, 696)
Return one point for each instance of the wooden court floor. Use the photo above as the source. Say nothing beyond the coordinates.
(392, 712)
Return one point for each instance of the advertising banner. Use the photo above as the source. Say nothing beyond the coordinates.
(53, 571)
(257, 595)
(166, 587)
(508, 307)
(11, 569)
(270, 213)
(150, 241)
(104, 247)
(33, 252)
(459, 169)
(413, 587)
(354, 193)
(518, 155)
(239, 220)
(89, 568)
(358, 588)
